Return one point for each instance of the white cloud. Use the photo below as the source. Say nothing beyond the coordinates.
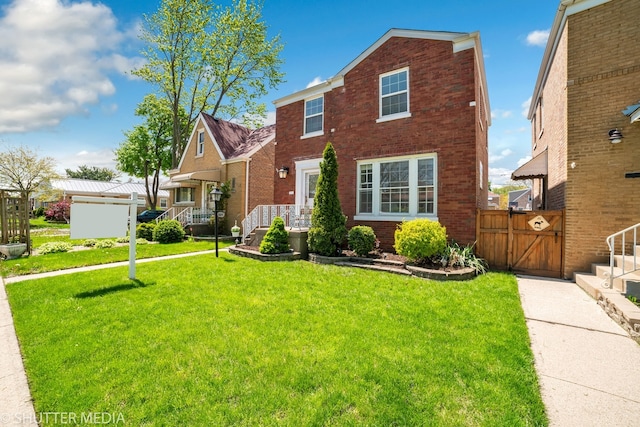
(525, 107)
(499, 176)
(496, 157)
(55, 60)
(523, 160)
(538, 38)
(315, 82)
(501, 114)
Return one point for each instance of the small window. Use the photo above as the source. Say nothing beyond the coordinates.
(200, 143)
(365, 196)
(394, 93)
(184, 195)
(313, 115)
(163, 203)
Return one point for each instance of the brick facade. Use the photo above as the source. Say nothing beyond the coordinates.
(449, 118)
(594, 75)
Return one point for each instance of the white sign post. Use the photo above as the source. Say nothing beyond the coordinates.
(99, 217)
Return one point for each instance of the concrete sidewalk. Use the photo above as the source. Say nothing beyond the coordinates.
(16, 407)
(587, 365)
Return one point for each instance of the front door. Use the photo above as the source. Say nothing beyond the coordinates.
(310, 183)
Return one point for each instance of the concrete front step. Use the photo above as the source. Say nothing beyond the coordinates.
(623, 283)
(615, 304)
(630, 263)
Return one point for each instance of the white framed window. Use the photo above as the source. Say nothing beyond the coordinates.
(313, 117)
(185, 195)
(200, 150)
(394, 95)
(397, 188)
(163, 203)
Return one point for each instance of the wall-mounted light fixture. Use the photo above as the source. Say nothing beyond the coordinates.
(615, 136)
(282, 172)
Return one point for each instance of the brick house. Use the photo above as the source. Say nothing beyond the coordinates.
(220, 151)
(408, 119)
(590, 74)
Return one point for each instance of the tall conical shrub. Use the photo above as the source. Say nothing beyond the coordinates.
(328, 224)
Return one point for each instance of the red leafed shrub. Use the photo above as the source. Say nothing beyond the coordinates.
(60, 211)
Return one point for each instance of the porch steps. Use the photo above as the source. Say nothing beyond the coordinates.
(614, 300)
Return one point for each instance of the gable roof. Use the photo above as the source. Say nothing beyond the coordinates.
(232, 140)
(460, 42)
(566, 9)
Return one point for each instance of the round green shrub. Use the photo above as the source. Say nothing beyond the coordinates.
(145, 230)
(168, 231)
(361, 239)
(124, 239)
(420, 239)
(104, 244)
(276, 241)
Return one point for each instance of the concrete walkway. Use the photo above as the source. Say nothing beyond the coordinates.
(587, 365)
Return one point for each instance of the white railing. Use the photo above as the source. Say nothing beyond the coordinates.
(294, 216)
(187, 215)
(611, 242)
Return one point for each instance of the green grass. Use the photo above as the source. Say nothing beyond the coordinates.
(61, 261)
(233, 341)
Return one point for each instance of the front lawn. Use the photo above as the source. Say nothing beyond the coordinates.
(233, 341)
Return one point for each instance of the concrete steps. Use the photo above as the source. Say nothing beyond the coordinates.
(613, 299)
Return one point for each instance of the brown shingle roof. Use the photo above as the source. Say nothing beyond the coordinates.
(235, 140)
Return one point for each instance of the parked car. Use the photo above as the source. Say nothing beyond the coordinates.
(149, 215)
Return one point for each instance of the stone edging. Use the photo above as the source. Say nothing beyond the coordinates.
(393, 267)
(289, 256)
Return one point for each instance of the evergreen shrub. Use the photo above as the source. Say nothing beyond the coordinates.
(145, 230)
(276, 240)
(420, 239)
(168, 231)
(361, 239)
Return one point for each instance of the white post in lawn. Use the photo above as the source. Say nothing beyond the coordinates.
(110, 214)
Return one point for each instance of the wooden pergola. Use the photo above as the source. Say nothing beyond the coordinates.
(14, 217)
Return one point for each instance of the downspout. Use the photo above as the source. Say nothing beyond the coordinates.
(246, 191)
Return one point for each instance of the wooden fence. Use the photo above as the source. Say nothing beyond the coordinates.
(530, 242)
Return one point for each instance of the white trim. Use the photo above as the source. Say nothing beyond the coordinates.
(304, 124)
(312, 134)
(393, 117)
(376, 215)
(400, 114)
(303, 166)
(566, 9)
(200, 146)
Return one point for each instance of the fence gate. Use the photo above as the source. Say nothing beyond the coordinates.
(530, 242)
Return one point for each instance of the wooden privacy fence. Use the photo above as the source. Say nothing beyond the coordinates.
(14, 218)
(530, 242)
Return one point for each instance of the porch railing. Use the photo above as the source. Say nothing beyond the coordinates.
(631, 246)
(187, 215)
(294, 216)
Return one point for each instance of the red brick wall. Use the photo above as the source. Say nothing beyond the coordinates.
(441, 85)
(261, 177)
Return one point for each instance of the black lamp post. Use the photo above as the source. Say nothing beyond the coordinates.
(216, 193)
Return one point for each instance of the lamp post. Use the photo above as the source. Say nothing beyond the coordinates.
(216, 193)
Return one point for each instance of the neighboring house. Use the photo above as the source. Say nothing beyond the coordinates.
(520, 200)
(408, 119)
(493, 200)
(70, 187)
(219, 151)
(585, 97)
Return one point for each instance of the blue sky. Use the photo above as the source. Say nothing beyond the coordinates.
(65, 90)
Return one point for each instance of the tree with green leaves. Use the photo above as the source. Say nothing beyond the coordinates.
(204, 57)
(146, 153)
(93, 172)
(328, 224)
(22, 169)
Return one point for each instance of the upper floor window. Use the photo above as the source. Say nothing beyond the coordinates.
(313, 116)
(200, 143)
(394, 95)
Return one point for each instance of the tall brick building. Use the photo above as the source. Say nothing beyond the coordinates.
(408, 119)
(587, 86)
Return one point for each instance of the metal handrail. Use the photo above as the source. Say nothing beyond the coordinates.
(611, 243)
(294, 216)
